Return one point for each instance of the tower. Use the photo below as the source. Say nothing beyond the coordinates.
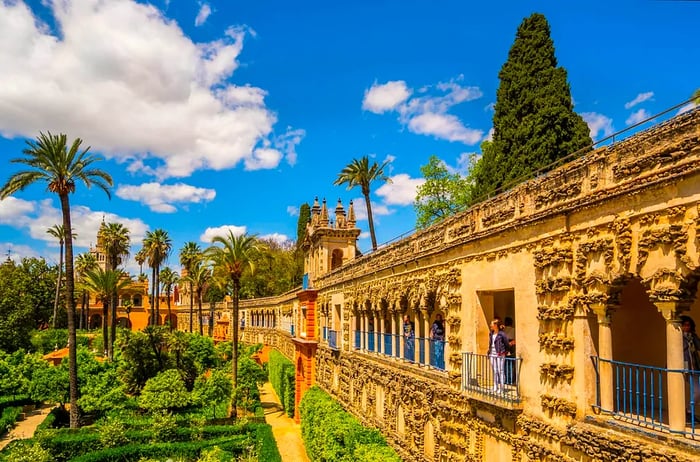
(329, 244)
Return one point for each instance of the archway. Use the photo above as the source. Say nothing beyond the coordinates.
(95, 321)
(124, 323)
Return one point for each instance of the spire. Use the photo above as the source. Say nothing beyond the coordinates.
(324, 214)
(351, 216)
(315, 212)
(339, 215)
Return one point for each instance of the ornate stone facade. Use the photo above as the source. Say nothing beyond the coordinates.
(595, 262)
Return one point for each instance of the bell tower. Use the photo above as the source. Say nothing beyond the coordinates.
(329, 243)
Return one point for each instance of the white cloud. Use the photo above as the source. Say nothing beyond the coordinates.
(263, 158)
(127, 80)
(445, 126)
(13, 211)
(37, 217)
(18, 252)
(281, 239)
(385, 97)
(426, 114)
(160, 198)
(210, 233)
(401, 191)
(377, 209)
(293, 210)
(365, 235)
(287, 143)
(491, 107)
(640, 98)
(688, 107)
(489, 135)
(637, 116)
(202, 15)
(598, 124)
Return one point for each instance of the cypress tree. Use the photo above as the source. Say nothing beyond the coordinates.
(304, 217)
(534, 121)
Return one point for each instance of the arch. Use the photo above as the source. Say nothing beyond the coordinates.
(429, 440)
(379, 402)
(137, 300)
(171, 320)
(336, 259)
(124, 323)
(95, 321)
(400, 420)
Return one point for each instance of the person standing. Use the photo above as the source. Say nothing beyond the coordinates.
(409, 338)
(509, 330)
(437, 340)
(691, 365)
(498, 348)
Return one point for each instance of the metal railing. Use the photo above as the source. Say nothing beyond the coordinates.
(357, 340)
(495, 377)
(640, 395)
(333, 339)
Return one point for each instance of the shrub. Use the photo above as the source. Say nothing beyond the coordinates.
(112, 433)
(267, 446)
(8, 418)
(164, 427)
(28, 452)
(330, 433)
(283, 379)
(215, 454)
(213, 390)
(164, 391)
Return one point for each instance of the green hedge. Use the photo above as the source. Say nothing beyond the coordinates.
(282, 377)
(54, 419)
(267, 446)
(332, 434)
(8, 418)
(191, 450)
(14, 400)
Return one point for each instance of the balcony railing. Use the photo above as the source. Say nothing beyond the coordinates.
(419, 350)
(494, 377)
(333, 339)
(640, 395)
(358, 340)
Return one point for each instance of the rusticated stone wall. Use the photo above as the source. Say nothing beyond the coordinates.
(570, 247)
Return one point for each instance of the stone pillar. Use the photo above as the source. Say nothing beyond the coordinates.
(674, 362)
(425, 343)
(605, 351)
(382, 329)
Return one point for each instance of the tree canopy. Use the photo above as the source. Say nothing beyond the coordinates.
(534, 122)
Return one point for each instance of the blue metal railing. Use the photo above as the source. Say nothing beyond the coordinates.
(437, 353)
(291, 330)
(387, 345)
(358, 340)
(492, 377)
(409, 348)
(333, 339)
(325, 333)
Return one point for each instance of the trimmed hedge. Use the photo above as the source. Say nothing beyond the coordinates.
(13, 401)
(332, 434)
(8, 418)
(281, 374)
(267, 446)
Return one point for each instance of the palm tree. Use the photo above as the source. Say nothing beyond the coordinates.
(58, 231)
(360, 173)
(140, 258)
(157, 245)
(216, 291)
(231, 259)
(198, 277)
(85, 262)
(168, 278)
(51, 160)
(103, 284)
(115, 242)
(190, 253)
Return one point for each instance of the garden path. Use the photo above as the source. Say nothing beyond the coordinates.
(25, 428)
(287, 432)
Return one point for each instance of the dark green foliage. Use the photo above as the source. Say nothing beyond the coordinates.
(331, 434)
(48, 340)
(534, 121)
(304, 218)
(144, 355)
(282, 376)
(267, 446)
(9, 417)
(26, 300)
(251, 377)
(213, 391)
(276, 270)
(164, 391)
(57, 417)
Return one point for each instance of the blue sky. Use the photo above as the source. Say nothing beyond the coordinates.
(215, 114)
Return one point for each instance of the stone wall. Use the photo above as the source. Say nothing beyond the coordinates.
(570, 249)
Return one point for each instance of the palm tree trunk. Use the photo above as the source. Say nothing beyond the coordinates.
(199, 306)
(105, 320)
(157, 297)
(370, 220)
(153, 295)
(234, 340)
(211, 318)
(170, 321)
(70, 308)
(191, 307)
(58, 285)
(82, 310)
(113, 333)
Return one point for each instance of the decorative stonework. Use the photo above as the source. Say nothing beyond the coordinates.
(556, 341)
(558, 405)
(554, 371)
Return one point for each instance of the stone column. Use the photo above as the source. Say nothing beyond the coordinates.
(605, 351)
(425, 343)
(382, 329)
(674, 362)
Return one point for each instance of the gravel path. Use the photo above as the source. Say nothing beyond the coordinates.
(25, 428)
(287, 433)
